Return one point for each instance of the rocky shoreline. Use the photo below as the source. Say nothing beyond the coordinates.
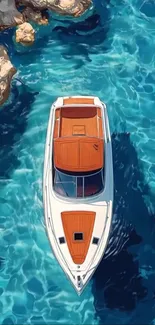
(19, 14)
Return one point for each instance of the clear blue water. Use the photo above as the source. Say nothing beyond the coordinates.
(110, 55)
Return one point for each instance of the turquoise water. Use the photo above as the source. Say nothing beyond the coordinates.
(109, 52)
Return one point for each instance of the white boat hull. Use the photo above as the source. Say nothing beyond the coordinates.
(101, 204)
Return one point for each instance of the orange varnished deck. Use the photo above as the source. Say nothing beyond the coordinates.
(57, 123)
(74, 118)
(78, 221)
(78, 139)
(78, 154)
(81, 121)
(71, 100)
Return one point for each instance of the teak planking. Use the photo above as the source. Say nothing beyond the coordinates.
(78, 154)
(81, 116)
(78, 139)
(70, 101)
(78, 221)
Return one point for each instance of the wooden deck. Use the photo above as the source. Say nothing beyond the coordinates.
(78, 121)
(74, 222)
(78, 153)
(80, 100)
(78, 138)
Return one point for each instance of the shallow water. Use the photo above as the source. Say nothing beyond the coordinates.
(110, 55)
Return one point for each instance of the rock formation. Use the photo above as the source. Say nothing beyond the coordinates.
(34, 10)
(7, 71)
(25, 34)
(65, 7)
(35, 15)
(9, 15)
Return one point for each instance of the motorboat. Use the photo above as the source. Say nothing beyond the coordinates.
(78, 185)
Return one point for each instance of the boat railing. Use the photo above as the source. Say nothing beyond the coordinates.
(107, 123)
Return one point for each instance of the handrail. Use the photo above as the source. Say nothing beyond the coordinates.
(107, 122)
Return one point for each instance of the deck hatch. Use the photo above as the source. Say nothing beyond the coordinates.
(62, 240)
(78, 236)
(95, 240)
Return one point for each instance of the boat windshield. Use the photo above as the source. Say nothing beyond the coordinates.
(78, 185)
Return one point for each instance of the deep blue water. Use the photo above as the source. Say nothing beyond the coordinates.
(110, 53)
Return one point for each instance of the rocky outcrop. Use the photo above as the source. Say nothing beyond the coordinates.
(7, 71)
(25, 34)
(9, 15)
(74, 7)
(65, 7)
(36, 16)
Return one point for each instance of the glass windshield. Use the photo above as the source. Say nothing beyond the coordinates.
(93, 184)
(64, 184)
(79, 185)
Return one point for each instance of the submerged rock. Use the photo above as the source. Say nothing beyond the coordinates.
(65, 7)
(25, 34)
(9, 15)
(36, 16)
(74, 7)
(7, 71)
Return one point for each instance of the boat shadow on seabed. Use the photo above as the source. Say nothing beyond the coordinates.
(117, 283)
